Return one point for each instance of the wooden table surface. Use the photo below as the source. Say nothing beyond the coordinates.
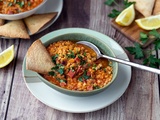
(139, 102)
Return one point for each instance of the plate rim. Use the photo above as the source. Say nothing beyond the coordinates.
(80, 111)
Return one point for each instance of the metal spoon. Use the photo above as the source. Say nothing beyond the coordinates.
(154, 70)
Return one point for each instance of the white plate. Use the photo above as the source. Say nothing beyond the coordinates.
(74, 104)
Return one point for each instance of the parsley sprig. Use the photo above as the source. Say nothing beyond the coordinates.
(114, 13)
(139, 53)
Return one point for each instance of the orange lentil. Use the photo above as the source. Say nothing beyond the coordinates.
(76, 67)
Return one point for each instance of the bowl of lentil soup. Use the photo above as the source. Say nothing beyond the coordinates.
(77, 72)
(19, 9)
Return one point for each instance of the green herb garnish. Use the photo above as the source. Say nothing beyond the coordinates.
(136, 51)
(148, 58)
(80, 79)
(54, 58)
(143, 37)
(71, 54)
(21, 4)
(115, 12)
(96, 87)
(10, 4)
(59, 68)
(51, 73)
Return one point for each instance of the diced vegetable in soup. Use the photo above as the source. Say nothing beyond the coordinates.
(76, 67)
(17, 6)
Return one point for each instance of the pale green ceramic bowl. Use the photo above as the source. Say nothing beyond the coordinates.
(104, 48)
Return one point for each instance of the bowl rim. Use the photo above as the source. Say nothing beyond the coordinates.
(22, 13)
(74, 91)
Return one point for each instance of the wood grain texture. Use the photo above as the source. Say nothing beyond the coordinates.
(139, 102)
(6, 76)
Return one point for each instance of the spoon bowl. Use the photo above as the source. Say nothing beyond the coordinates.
(97, 51)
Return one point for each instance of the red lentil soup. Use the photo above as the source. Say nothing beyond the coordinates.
(76, 67)
(17, 6)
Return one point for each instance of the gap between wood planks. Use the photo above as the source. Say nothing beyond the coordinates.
(10, 91)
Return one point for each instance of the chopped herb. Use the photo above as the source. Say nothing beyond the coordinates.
(59, 68)
(61, 71)
(85, 76)
(14, 1)
(71, 54)
(21, 4)
(84, 54)
(94, 67)
(96, 87)
(62, 81)
(88, 65)
(54, 58)
(80, 57)
(80, 79)
(82, 62)
(29, 3)
(51, 73)
(55, 67)
(10, 4)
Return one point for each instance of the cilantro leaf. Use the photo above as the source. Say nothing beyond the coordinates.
(54, 58)
(114, 13)
(21, 4)
(136, 51)
(127, 4)
(152, 61)
(157, 44)
(51, 73)
(157, 37)
(71, 54)
(109, 2)
(61, 70)
(143, 37)
(154, 33)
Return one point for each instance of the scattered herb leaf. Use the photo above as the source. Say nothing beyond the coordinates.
(137, 51)
(157, 44)
(155, 33)
(143, 37)
(109, 2)
(71, 54)
(152, 61)
(54, 58)
(114, 13)
(127, 4)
